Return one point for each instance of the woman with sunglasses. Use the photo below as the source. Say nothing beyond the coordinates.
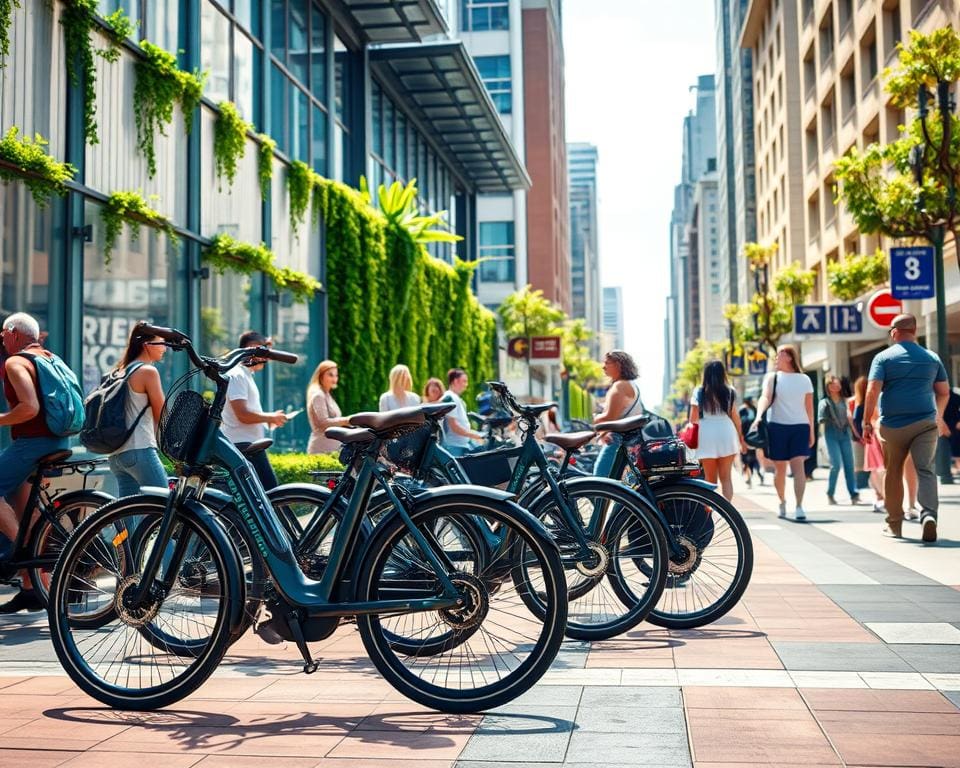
(137, 462)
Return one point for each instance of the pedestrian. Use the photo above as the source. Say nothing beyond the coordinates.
(457, 432)
(910, 384)
(713, 407)
(838, 433)
(623, 400)
(951, 415)
(399, 394)
(137, 463)
(872, 451)
(855, 404)
(243, 420)
(31, 439)
(322, 410)
(748, 459)
(432, 390)
(788, 395)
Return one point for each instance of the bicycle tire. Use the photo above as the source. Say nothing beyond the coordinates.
(462, 694)
(87, 565)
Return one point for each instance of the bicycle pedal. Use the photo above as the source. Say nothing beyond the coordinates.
(310, 667)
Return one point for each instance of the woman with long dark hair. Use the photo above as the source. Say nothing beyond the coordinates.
(713, 407)
(136, 463)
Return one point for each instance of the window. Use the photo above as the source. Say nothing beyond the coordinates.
(483, 15)
(868, 58)
(826, 40)
(215, 52)
(845, 9)
(811, 144)
(848, 92)
(497, 256)
(495, 73)
(892, 33)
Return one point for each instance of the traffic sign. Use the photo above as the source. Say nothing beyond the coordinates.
(911, 272)
(810, 318)
(518, 347)
(882, 307)
(845, 318)
(545, 348)
(757, 363)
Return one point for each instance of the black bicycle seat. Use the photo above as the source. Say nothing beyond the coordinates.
(256, 447)
(536, 410)
(629, 424)
(569, 441)
(350, 436)
(437, 410)
(389, 422)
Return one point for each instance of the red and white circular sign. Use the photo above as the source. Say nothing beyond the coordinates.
(882, 308)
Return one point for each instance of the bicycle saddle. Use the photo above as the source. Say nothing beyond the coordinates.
(437, 410)
(625, 425)
(348, 436)
(569, 441)
(390, 420)
(256, 446)
(57, 457)
(536, 410)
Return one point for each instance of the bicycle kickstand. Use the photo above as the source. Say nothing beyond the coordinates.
(309, 664)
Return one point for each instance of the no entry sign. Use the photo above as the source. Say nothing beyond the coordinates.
(882, 308)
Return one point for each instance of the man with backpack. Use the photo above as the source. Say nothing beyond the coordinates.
(36, 426)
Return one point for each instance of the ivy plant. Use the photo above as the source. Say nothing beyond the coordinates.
(300, 181)
(6, 18)
(857, 274)
(132, 208)
(265, 163)
(160, 85)
(229, 140)
(27, 159)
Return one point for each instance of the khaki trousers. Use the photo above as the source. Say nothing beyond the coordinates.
(920, 441)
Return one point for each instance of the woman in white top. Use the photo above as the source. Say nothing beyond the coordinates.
(790, 426)
(623, 400)
(399, 395)
(137, 462)
(713, 407)
(322, 409)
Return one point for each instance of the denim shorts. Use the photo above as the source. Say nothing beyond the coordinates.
(788, 441)
(19, 459)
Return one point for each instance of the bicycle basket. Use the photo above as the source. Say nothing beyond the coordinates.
(181, 425)
(407, 451)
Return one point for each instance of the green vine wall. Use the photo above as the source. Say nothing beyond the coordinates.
(28, 161)
(229, 140)
(6, 18)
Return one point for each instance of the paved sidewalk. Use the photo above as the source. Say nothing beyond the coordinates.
(842, 652)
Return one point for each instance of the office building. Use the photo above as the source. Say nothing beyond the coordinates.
(584, 248)
(612, 318)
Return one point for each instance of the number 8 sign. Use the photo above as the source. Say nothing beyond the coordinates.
(911, 273)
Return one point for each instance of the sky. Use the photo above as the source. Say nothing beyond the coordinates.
(629, 68)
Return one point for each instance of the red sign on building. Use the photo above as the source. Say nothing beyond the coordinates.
(882, 308)
(545, 348)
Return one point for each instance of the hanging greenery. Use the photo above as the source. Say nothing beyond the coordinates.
(43, 175)
(229, 140)
(300, 181)
(6, 18)
(119, 28)
(159, 87)
(265, 163)
(225, 253)
(78, 21)
(131, 207)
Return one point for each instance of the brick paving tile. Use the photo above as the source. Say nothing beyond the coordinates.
(263, 741)
(237, 761)
(42, 686)
(825, 699)
(926, 724)
(708, 697)
(718, 652)
(898, 750)
(33, 758)
(136, 760)
(393, 745)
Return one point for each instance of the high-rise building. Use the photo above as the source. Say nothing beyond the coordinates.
(612, 317)
(713, 286)
(736, 195)
(584, 251)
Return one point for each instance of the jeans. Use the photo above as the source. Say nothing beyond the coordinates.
(137, 468)
(608, 452)
(840, 449)
(261, 465)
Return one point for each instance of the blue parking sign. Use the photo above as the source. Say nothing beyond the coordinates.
(845, 318)
(911, 273)
(809, 318)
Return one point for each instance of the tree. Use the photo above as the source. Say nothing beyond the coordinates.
(576, 353)
(857, 274)
(528, 313)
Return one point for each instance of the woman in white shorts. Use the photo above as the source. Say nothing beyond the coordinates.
(713, 407)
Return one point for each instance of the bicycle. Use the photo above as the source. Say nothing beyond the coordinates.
(49, 519)
(403, 585)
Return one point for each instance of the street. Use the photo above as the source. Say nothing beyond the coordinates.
(845, 650)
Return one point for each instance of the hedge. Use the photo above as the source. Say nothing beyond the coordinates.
(581, 403)
(390, 302)
(296, 467)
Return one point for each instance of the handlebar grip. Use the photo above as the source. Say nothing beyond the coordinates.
(277, 354)
(167, 334)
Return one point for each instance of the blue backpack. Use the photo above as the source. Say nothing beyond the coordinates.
(61, 399)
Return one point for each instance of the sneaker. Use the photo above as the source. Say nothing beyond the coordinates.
(799, 515)
(855, 499)
(782, 512)
(831, 501)
(912, 514)
(929, 528)
(892, 532)
(878, 506)
(24, 600)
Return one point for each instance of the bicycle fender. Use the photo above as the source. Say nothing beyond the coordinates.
(213, 498)
(665, 485)
(71, 496)
(493, 494)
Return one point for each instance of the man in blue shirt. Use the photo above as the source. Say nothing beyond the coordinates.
(911, 385)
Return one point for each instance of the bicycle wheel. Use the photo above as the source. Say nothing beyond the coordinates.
(718, 561)
(50, 535)
(494, 647)
(113, 661)
(621, 581)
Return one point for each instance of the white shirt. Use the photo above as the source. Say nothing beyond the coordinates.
(242, 387)
(390, 402)
(459, 415)
(790, 404)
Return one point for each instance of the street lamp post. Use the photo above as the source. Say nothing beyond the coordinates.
(936, 234)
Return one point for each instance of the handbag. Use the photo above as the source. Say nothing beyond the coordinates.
(760, 437)
(690, 434)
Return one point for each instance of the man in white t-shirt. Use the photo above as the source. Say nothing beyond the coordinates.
(243, 420)
(457, 433)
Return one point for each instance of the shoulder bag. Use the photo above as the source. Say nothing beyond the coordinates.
(760, 437)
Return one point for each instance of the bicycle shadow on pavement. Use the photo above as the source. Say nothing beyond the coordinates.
(19, 630)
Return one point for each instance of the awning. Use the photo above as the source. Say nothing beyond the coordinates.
(394, 21)
(442, 88)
